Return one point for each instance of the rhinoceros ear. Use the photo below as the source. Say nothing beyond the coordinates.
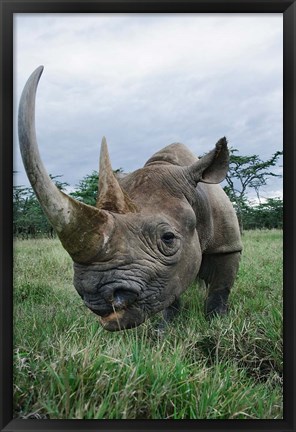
(213, 167)
(110, 196)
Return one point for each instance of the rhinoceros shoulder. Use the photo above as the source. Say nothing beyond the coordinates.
(174, 154)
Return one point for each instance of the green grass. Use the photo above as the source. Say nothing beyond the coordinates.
(67, 366)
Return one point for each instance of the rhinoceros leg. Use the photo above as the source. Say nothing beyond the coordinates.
(168, 315)
(219, 272)
(172, 311)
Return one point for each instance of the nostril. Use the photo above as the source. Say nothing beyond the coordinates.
(99, 309)
(123, 298)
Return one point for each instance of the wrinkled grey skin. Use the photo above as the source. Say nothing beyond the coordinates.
(159, 228)
(207, 243)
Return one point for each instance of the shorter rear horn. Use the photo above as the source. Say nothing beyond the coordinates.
(110, 195)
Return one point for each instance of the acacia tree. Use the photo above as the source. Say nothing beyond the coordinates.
(87, 189)
(247, 172)
(265, 215)
(28, 217)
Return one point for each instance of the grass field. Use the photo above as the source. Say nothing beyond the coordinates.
(67, 367)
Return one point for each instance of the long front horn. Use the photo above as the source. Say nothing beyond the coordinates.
(81, 228)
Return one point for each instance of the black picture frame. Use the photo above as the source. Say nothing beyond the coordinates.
(8, 8)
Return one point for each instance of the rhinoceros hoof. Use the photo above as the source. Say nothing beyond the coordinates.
(212, 309)
(160, 330)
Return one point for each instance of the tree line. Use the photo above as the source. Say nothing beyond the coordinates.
(245, 173)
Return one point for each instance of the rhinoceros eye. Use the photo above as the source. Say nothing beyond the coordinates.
(168, 237)
(168, 242)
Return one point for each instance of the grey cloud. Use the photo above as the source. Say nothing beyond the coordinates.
(97, 82)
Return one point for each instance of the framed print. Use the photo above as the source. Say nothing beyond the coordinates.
(147, 225)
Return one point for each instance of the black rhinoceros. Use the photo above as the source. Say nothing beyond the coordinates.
(151, 233)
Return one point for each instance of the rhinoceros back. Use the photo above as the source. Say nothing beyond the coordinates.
(174, 154)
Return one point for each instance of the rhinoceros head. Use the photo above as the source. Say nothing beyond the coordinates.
(138, 249)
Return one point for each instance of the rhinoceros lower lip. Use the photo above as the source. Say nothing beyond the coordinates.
(122, 319)
(114, 316)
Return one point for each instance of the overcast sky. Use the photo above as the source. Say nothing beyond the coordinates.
(147, 80)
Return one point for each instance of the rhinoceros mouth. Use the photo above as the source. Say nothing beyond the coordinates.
(113, 316)
(122, 319)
